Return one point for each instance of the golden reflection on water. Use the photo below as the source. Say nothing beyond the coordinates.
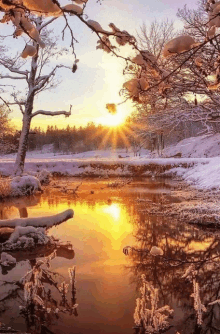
(99, 230)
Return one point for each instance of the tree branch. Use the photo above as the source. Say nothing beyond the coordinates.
(11, 77)
(43, 80)
(52, 113)
(14, 70)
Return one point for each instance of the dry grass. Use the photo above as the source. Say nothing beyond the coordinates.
(5, 188)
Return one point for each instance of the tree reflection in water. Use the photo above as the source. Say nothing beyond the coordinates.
(41, 294)
(186, 276)
(41, 297)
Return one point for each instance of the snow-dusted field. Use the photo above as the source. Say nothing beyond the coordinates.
(199, 164)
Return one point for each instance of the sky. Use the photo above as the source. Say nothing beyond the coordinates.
(98, 78)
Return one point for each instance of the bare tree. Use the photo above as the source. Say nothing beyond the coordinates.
(37, 79)
(154, 37)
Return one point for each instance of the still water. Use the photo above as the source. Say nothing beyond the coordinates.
(107, 281)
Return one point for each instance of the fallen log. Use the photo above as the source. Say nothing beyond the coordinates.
(45, 222)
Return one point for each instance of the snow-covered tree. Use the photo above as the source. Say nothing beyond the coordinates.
(179, 90)
(187, 67)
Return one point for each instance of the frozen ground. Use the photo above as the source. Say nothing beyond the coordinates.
(199, 164)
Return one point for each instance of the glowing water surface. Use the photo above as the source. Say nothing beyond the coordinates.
(106, 221)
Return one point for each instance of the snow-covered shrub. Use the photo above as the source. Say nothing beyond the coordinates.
(40, 304)
(26, 237)
(44, 176)
(24, 185)
(4, 172)
(198, 306)
(7, 260)
(151, 320)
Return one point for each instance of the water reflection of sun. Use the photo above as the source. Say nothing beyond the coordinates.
(113, 210)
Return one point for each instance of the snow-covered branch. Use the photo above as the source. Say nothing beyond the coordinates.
(43, 80)
(52, 113)
(13, 69)
(11, 77)
(47, 23)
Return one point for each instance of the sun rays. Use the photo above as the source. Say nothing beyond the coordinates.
(116, 135)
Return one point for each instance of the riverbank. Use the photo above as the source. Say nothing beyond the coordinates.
(180, 202)
(202, 173)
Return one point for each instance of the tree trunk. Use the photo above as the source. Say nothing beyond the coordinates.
(23, 143)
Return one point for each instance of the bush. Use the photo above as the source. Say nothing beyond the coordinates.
(5, 187)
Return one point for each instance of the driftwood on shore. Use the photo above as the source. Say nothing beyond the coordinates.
(46, 222)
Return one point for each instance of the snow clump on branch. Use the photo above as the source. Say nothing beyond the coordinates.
(136, 86)
(214, 18)
(29, 51)
(46, 7)
(178, 45)
(73, 8)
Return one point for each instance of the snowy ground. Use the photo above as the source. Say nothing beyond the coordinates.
(199, 164)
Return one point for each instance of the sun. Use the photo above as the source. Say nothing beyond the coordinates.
(111, 120)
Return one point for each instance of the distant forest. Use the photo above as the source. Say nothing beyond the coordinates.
(76, 140)
(71, 140)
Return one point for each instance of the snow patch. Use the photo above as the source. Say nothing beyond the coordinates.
(7, 260)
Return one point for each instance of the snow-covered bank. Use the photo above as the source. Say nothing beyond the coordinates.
(91, 165)
(199, 164)
(206, 146)
(202, 176)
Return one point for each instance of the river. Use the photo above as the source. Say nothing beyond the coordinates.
(106, 220)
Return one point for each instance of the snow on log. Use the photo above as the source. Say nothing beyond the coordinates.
(46, 222)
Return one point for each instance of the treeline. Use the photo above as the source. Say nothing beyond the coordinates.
(75, 140)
